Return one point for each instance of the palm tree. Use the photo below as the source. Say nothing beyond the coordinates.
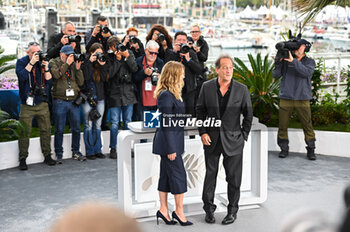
(10, 128)
(312, 7)
(4, 65)
(263, 88)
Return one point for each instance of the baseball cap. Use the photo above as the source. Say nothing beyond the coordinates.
(67, 49)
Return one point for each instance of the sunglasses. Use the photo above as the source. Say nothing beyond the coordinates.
(193, 32)
(153, 53)
(33, 43)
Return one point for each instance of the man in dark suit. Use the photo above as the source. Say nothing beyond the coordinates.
(224, 99)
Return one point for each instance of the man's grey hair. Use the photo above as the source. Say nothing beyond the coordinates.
(152, 45)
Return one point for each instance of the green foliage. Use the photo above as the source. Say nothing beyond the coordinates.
(329, 111)
(10, 129)
(263, 88)
(316, 82)
(4, 65)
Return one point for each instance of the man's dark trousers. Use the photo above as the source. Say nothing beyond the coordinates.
(233, 170)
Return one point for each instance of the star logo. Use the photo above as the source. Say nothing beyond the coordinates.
(156, 115)
(151, 119)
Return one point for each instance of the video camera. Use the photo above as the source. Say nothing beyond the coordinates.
(74, 38)
(294, 43)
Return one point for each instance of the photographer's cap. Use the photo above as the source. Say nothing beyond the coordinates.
(306, 43)
(67, 49)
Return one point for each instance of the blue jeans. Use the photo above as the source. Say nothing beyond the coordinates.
(92, 129)
(61, 109)
(115, 118)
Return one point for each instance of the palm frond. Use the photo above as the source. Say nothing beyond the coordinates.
(6, 58)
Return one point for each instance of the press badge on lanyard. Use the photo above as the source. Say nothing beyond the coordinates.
(69, 92)
(148, 84)
(30, 101)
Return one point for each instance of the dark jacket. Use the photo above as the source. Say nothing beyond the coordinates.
(90, 84)
(161, 51)
(168, 140)
(192, 68)
(59, 71)
(120, 84)
(140, 75)
(296, 78)
(137, 53)
(203, 54)
(231, 133)
(54, 45)
(23, 80)
(90, 40)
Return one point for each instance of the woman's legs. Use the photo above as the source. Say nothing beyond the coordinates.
(180, 207)
(163, 197)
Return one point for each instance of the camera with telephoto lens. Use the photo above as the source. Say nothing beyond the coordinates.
(161, 37)
(40, 90)
(184, 48)
(100, 56)
(133, 39)
(79, 57)
(120, 47)
(104, 29)
(200, 41)
(74, 38)
(154, 75)
(43, 56)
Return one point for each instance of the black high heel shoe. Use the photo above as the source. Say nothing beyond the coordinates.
(160, 215)
(188, 223)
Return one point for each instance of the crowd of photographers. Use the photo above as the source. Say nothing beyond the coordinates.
(115, 75)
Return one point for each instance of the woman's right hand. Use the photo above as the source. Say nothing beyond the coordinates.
(172, 156)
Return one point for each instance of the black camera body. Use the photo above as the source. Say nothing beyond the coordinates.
(133, 39)
(161, 37)
(40, 90)
(200, 41)
(100, 56)
(190, 40)
(87, 96)
(104, 29)
(120, 47)
(154, 75)
(79, 57)
(43, 56)
(184, 48)
(74, 38)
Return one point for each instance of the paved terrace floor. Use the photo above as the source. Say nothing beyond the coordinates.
(32, 200)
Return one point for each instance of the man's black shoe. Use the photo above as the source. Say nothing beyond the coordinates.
(209, 217)
(283, 154)
(23, 165)
(91, 157)
(311, 153)
(230, 218)
(49, 161)
(113, 154)
(100, 156)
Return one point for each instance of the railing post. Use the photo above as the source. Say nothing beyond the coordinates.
(338, 76)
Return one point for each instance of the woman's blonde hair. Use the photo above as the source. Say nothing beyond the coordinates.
(171, 79)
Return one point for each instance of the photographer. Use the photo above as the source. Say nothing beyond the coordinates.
(99, 34)
(182, 53)
(200, 46)
(133, 43)
(66, 37)
(33, 77)
(67, 77)
(120, 89)
(295, 93)
(160, 34)
(95, 75)
(146, 78)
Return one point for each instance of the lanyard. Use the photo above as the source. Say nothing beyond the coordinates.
(67, 74)
(42, 83)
